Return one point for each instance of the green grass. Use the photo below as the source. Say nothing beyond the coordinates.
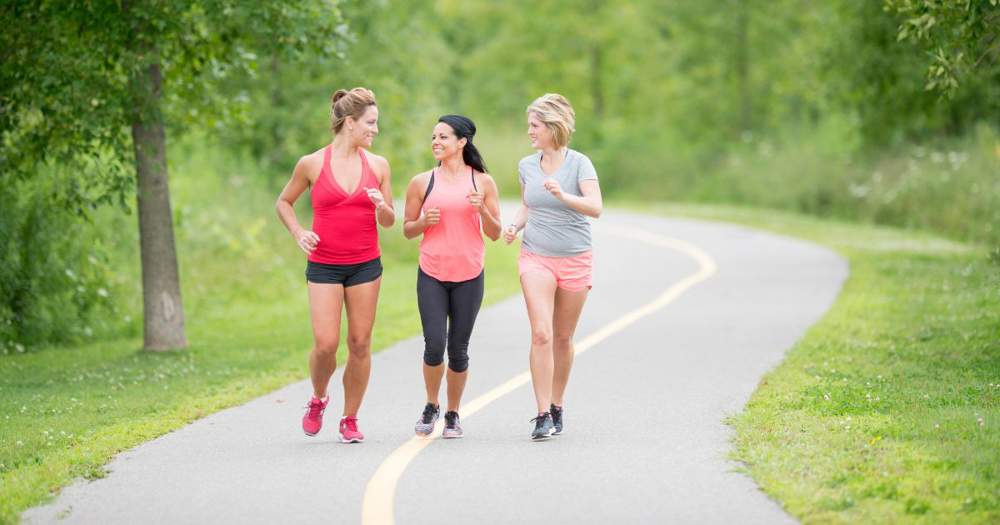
(888, 409)
(68, 410)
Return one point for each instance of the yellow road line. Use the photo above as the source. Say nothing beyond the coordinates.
(380, 493)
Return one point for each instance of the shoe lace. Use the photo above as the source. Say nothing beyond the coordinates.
(450, 419)
(351, 423)
(556, 413)
(315, 407)
(429, 412)
(539, 420)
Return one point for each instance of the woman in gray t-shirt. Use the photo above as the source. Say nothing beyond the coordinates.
(559, 190)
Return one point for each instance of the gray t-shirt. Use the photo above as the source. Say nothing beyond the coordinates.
(554, 229)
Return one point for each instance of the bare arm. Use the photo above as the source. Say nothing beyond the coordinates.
(385, 213)
(285, 206)
(520, 219)
(414, 223)
(489, 207)
(590, 203)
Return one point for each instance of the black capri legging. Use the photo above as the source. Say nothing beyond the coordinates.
(441, 302)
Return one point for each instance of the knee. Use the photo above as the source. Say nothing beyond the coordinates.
(562, 340)
(358, 348)
(458, 358)
(326, 347)
(458, 364)
(359, 342)
(433, 350)
(433, 357)
(541, 336)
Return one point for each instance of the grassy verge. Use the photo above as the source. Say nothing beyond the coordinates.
(67, 410)
(888, 410)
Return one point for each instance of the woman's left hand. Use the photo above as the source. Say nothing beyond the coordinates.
(476, 200)
(376, 197)
(553, 187)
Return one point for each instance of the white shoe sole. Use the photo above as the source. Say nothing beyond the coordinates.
(420, 433)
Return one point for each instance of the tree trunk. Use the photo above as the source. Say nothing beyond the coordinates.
(163, 314)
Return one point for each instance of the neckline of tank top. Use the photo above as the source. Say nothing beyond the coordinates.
(557, 170)
(327, 156)
(430, 183)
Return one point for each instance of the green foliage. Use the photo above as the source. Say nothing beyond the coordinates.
(66, 98)
(286, 107)
(66, 104)
(961, 39)
(55, 277)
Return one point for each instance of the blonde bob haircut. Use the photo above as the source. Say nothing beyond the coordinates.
(557, 114)
(351, 103)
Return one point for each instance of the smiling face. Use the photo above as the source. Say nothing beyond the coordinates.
(539, 133)
(363, 130)
(444, 143)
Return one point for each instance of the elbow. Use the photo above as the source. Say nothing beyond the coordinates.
(494, 236)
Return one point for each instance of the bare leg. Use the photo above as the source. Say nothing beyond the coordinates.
(361, 301)
(568, 306)
(432, 380)
(539, 295)
(456, 385)
(325, 303)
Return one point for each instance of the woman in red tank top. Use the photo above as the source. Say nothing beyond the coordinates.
(451, 206)
(350, 192)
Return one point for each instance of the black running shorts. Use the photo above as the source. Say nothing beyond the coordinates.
(344, 274)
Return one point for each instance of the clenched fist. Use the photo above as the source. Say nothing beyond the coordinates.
(432, 216)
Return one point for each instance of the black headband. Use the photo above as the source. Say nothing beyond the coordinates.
(463, 126)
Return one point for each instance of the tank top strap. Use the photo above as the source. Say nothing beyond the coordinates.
(366, 169)
(324, 170)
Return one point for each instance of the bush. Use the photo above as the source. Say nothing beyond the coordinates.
(54, 271)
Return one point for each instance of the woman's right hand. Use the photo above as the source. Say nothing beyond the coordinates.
(509, 233)
(307, 240)
(432, 216)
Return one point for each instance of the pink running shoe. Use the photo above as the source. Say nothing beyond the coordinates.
(349, 432)
(312, 421)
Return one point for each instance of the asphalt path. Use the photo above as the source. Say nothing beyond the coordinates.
(683, 320)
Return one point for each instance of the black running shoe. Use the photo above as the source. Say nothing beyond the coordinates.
(543, 426)
(557, 413)
(452, 429)
(425, 425)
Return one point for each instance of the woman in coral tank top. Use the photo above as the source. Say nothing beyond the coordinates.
(350, 191)
(451, 206)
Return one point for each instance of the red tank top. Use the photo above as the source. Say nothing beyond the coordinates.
(345, 223)
(453, 249)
